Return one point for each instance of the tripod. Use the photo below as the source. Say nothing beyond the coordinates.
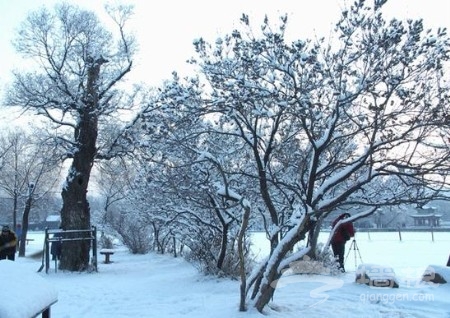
(355, 249)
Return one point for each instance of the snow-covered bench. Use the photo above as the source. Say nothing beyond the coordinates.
(107, 252)
(25, 293)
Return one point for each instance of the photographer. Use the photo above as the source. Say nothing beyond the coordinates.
(8, 243)
(341, 235)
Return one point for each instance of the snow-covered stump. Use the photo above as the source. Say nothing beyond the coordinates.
(376, 276)
(436, 274)
(25, 293)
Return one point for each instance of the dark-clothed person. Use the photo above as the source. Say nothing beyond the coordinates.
(56, 247)
(341, 235)
(8, 243)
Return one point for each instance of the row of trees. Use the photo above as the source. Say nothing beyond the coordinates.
(29, 172)
(270, 131)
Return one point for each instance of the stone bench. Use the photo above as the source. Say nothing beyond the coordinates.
(107, 253)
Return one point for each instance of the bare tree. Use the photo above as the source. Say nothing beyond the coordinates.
(79, 65)
(113, 183)
(13, 183)
(29, 175)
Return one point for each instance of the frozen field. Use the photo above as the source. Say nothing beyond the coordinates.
(414, 250)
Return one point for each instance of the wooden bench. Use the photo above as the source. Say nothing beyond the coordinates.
(107, 253)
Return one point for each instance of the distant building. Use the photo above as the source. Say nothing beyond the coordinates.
(53, 221)
(427, 217)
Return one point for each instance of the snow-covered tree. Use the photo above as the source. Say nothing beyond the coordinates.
(321, 125)
(178, 184)
(77, 68)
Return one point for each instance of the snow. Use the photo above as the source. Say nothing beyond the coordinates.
(17, 281)
(156, 285)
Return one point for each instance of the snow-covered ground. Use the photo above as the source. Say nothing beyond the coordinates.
(162, 286)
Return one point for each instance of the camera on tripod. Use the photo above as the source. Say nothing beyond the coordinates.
(354, 247)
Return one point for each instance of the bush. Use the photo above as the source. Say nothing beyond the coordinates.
(134, 235)
(323, 264)
(105, 241)
(203, 254)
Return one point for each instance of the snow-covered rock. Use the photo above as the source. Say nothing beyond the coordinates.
(376, 276)
(436, 274)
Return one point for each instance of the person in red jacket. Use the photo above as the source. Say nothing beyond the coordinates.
(341, 235)
(8, 243)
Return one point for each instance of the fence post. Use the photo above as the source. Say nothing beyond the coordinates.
(432, 234)
(94, 247)
(399, 234)
(46, 251)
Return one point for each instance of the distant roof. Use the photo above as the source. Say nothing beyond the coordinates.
(426, 215)
(53, 218)
(426, 209)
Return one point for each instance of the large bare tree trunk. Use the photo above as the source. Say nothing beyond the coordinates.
(75, 215)
(75, 212)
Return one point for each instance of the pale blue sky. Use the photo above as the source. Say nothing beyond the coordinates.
(166, 29)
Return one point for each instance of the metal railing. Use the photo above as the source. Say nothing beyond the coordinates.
(62, 236)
